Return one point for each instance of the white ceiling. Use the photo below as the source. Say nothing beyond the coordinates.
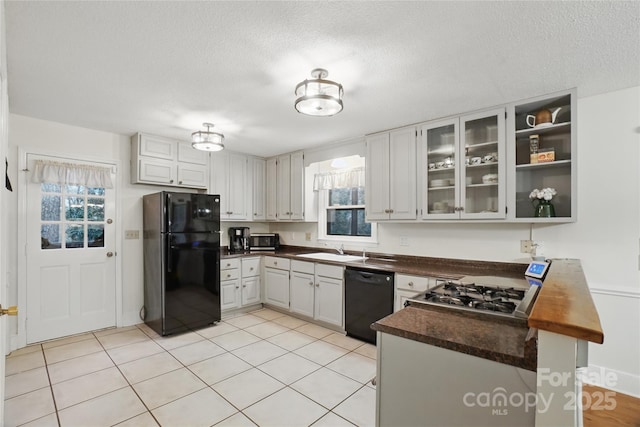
(164, 67)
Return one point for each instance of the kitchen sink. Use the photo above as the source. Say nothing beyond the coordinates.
(326, 256)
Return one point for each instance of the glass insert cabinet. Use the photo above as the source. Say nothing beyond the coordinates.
(463, 174)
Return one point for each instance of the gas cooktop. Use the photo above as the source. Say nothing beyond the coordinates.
(504, 297)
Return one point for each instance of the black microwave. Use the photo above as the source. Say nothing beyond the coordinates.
(264, 242)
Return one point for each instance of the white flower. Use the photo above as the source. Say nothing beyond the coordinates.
(545, 193)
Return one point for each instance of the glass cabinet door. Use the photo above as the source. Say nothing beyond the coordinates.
(440, 147)
(482, 177)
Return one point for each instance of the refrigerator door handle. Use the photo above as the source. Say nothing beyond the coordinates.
(169, 245)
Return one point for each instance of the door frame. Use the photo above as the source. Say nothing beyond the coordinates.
(20, 340)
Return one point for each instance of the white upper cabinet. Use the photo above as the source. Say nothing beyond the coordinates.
(542, 151)
(164, 161)
(259, 189)
(391, 175)
(271, 193)
(285, 194)
(462, 167)
(229, 180)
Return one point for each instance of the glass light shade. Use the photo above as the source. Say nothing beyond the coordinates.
(319, 97)
(206, 140)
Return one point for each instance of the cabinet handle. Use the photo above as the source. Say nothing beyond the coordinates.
(228, 275)
(228, 265)
(255, 214)
(180, 182)
(410, 284)
(244, 286)
(171, 181)
(250, 268)
(390, 210)
(310, 283)
(237, 287)
(317, 285)
(275, 262)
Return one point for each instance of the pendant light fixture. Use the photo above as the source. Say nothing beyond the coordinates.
(317, 96)
(207, 140)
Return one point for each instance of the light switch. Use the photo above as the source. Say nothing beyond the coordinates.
(132, 234)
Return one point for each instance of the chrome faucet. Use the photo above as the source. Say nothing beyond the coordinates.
(340, 250)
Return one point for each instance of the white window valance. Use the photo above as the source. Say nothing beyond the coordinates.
(345, 178)
(71, 174)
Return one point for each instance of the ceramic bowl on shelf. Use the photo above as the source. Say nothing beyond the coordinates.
(490, 178)
(440, 182)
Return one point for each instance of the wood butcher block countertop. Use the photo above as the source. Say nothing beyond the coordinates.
(564, 304)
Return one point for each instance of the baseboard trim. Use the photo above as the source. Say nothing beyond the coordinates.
(615, 292)
(622, 382)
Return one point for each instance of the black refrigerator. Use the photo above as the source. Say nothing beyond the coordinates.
(181, 261)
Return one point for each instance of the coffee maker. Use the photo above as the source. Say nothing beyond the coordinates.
(239, 239)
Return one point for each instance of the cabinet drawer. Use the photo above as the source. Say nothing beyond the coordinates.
(250, 267)
(229, 263)
(412, 283)
(275, 262)
(326, 270)
(302, 266)
(230, 274)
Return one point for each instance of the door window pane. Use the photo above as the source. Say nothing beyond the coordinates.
(50, 209)
(50, 188)
(95, 236)
(50, 236)
(95, 209)
(74, 236)
(98, 191)
(74, 208)
(74, 189)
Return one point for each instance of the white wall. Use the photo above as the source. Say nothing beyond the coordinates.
(605, 237)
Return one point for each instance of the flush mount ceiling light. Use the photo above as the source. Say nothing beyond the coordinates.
(207, 140)
(319, 97)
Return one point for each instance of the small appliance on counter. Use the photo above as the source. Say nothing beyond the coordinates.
(264, 242)
(239, 239)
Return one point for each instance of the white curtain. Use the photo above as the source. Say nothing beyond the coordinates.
(345, 178)
(71, 174)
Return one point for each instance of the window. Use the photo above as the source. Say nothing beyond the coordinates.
(345, 213)
(72, 216)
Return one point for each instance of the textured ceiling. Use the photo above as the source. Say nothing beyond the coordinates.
(164, 67)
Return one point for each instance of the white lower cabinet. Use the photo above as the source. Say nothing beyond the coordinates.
(229, 284)
(317, 291)
(276, 281)
(239, 283)
(408, 287)
(303, 287)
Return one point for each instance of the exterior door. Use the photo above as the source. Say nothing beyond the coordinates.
(70, 257)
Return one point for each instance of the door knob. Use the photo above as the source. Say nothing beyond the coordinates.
(109, 254)
(109, 221)
(11, 311)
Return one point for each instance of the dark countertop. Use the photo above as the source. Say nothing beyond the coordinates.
(564, 306)
(502, 340)
(418, 266)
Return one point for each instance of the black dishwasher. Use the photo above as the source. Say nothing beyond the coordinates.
(368, 297)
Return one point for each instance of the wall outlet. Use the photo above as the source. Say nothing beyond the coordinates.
(526, 246)
(132, 234)
(307, 237)
(404, 241)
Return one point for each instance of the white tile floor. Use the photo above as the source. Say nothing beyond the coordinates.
(262, 368)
